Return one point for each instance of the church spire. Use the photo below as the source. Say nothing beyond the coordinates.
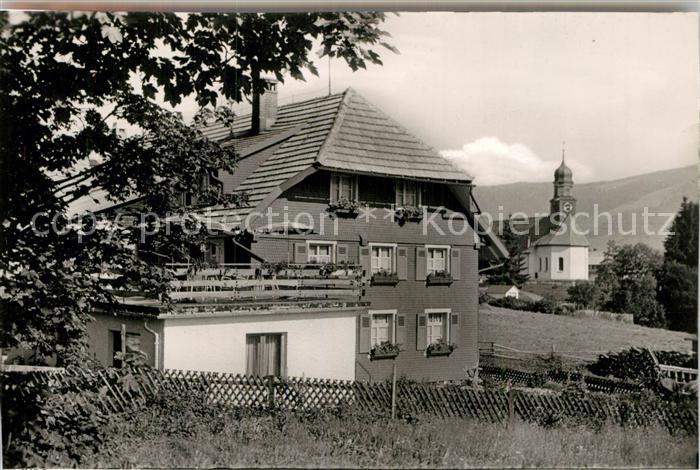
(563, 200)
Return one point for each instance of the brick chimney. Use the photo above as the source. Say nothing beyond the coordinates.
(264, 107)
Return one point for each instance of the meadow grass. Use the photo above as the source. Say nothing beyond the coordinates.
(530, 331)
(288, 441)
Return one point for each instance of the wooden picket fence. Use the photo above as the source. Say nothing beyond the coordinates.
(131, 389)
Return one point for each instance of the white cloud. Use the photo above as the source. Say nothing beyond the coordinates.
(491, 161)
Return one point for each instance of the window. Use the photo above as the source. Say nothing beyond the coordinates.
(382, 328)
(561, 263)
(383, 258)
(540, 264)
(546, 263)
(320, 253)
(343, 186)
(407, 193)
(436, 327)
(131, 345)
(438, 259)
(266, 354)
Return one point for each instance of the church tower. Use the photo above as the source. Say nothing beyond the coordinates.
(563, 200)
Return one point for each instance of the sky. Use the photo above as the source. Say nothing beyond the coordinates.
(502, 94)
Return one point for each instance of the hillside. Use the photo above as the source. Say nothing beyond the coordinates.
(585, 337)
(625, 199)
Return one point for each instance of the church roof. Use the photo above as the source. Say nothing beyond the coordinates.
(563, 235)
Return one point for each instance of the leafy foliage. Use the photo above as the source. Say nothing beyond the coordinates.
(682, 244)
(627, 283)
(544, 305)
(54, 426)
(678, 293)
(512, 271)
(678, 277)
(584, 293)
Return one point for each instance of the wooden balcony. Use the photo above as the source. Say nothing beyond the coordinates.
(233, 283)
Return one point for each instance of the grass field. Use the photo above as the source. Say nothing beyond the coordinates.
(588, 337)
(276, 441)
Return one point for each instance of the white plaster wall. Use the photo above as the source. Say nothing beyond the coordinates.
(317, 346)
(575, 263)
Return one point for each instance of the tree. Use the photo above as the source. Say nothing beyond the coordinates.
(627, 283)
(513, 270)
(72, 85)
(678, 293)
(678, 277)
(682, 243)
(584, 293)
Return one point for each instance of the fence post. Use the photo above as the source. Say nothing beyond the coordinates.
(270, 391)
(393, 390)
(511, 406)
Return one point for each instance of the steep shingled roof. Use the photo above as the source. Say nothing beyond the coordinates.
(365, 140)
(341, 132)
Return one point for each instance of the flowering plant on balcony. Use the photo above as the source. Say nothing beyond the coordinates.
(385, 277)
(385, 350)
(439, 278)
(344, 206)
(408, 213)
(440, 347)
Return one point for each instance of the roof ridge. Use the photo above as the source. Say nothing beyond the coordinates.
(337, 120)
(350, 92)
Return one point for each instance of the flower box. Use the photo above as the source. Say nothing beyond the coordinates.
(386, 350)
(385, 279)
(344, 208)
(439, 278)
(440, 348)
(408, 213)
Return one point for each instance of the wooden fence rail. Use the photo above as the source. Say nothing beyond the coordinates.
(128, 389)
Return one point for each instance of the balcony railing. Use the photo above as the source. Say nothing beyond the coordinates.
(245, 282)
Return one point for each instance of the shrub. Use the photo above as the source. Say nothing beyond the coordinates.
(50, 426)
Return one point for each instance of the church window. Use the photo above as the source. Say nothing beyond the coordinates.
(540, 264)
(546, 263)
(561, 263)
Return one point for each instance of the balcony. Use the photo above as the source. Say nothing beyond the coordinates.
(229, 283)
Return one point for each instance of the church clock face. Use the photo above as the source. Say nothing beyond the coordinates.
(567, 207)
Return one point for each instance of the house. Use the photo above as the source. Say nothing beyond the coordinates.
(498, 292)
(355, 233)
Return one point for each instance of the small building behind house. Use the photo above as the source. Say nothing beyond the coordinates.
(500, 291)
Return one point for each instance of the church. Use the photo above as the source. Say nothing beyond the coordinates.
(553, 249)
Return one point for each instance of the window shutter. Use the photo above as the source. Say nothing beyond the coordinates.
(421, 332)
(342, 254)
(402, 263)
(365, 322)
(401, 331)
(454, 328)
(334, 187)
(300, 255)
(366, 260)
(421, 263)
(456, 264)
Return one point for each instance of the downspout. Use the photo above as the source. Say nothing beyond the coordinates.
(156, 336)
